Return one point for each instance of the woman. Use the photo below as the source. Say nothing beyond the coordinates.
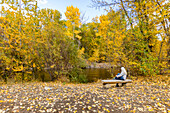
(121, 76)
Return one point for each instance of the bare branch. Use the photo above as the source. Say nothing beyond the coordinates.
(103, 3)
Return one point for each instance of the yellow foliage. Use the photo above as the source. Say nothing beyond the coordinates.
(73, 21)
(95, 56)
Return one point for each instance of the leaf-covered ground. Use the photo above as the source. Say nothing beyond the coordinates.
(139, 96)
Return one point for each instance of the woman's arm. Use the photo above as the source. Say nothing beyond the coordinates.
(123, 72)
(119, 75)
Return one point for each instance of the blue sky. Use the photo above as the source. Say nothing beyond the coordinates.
(61, 5)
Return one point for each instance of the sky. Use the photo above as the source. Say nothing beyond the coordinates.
(83, 6)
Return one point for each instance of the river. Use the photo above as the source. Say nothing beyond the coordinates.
(94, 74)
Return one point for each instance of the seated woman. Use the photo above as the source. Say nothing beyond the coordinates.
(121, 76)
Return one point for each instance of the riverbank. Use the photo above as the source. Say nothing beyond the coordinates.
(99, 65)
(142, 95)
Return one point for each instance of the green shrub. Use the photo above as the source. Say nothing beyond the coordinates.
(77, 75)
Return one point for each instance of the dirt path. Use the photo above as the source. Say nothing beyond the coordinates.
(84, 98)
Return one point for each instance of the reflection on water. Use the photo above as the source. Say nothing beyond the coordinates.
(93, 74)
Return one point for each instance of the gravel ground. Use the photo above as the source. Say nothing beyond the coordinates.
(84, 98)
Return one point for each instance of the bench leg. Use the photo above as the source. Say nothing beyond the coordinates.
(104, 85)
(117, 85)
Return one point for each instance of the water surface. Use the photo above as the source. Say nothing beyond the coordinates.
(93, 74)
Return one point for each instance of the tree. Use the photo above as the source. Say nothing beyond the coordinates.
(33, 40)
(73, 23)
(15, 43)
(146, 22)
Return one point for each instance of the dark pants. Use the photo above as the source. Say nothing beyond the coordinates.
(119, 78)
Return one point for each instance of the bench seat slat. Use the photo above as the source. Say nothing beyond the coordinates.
(116, 81)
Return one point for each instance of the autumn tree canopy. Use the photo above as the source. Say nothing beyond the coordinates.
(133, 33)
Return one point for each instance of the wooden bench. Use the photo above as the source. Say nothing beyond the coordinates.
(116, 81)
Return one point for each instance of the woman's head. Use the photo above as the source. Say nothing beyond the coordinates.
(122, 68)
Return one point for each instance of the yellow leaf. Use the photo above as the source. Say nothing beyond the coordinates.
(1, 101)
(22, 67)
(89, 107)
(52, 66)
(33, 64)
